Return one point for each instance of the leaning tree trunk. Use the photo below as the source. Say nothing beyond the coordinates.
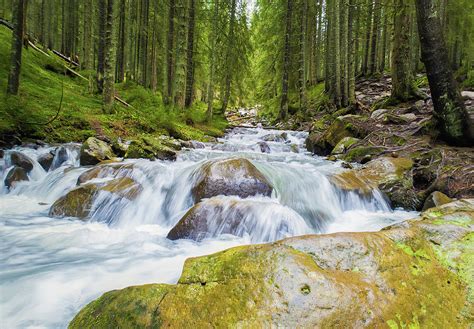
(453, 120)
(402, 78)
(286, 62)
(17, 46)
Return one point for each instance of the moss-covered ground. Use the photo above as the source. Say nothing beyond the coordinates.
(43, 82)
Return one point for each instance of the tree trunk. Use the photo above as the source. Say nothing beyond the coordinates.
(319, 43)
(169, 53)
(19, 13)
(368, 26)
(210, 90)
(374, 39)
(402, 78)
(286, 62)
(228, 75)
(101, 45)
(302, 61)
(109, 78)
(120, 65)
(190, 56)
(451, 114)
(351, 53)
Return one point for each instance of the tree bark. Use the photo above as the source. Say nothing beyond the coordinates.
(450, 112)
(109, 78)
(302, 60)
(286, 62)
(19, 8)
(101, 47)
(368, 27)
(169, 53)
(190, 56)
(228, 73)
(210, 90)
(374, 38)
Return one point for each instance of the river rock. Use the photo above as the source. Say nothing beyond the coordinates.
(230, 177)
(343, 126)
(280, 138)
(46, 160)
(94, 151)
(391, 175)
(60, 157)
(79, 201)
(150, 147)
(343, 145)
(418, 274)
(264, 148)
(16, 174)
(112, 170)
(21, 160)
(436, 199)
(467, 94)
(378, 114)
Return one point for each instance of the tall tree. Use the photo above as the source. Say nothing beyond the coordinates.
(229, 52)
(302, 59)
(212, 64)
(109, 78)
(190, 55)
(169, 52)
(449, 108)
(286, 61)
(19, 13)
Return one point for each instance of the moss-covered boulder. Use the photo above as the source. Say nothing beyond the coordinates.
(343, 145)
(391, 175)
(150, 147)
(113, 170)
(343, 126)
(46, 160)
(94, 151)
(436, 199)
(417, 274)
(230, 177)
(79, 201)
(21, 160)
(15, 175)
(361, 153)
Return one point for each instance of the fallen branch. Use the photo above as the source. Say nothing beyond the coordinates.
(32, 45)
(6, 23)
(64, 57)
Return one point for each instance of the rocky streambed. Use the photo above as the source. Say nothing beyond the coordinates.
(80, 220)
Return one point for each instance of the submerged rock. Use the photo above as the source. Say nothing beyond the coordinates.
(16, 174)
(230, 177)
(391, 175)
(416, 273)
(79, 201)
(114, 170)
(94, 151)
(60, 157)
(264, 148)
(21, 160)
(280, 138)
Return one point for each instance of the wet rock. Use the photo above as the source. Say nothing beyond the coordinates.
(230, 177)
(343, 280)
(294, 148)
(79, 201)
(15, 175)
(344, 144)
(345, 126)
(119, 147)
(436, 199)
(362, 154)
(280, 138)
(46, 160)
(94, 151)
(391, 175)
(150, 147)
(113, 170)
(264, 148)
(467, 94)
(21, 160)
(60, 157)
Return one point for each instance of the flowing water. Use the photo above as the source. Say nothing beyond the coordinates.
(52, 267)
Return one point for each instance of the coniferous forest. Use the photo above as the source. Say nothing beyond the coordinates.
(237, 163)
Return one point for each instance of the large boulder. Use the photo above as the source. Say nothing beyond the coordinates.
(343, 126)
(417, 274)
(343, 145)
(436, 199)
(21, 160)
(391, 175)
(79, 201)
(94, 151)
(60, 157)
(230, 177)
(113, 170)
(150, 147)
(16, 174)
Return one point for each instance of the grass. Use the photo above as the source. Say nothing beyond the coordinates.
(42, 83)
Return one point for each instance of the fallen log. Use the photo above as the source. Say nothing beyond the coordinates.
(64, 57)
(6, 23)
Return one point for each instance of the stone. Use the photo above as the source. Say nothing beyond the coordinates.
(15, 175)
(467, 94)
(230, 177)
(395, 278)
(378, 114)
(21, 160)
(264, 148)
(436, 199)
(94, 151)
(46, 160)
(79, 201)
(344, 145)
(280, 138)
(113, 170)
(60, 157)
(150, 147)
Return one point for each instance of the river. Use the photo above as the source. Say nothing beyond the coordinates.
(50, 268)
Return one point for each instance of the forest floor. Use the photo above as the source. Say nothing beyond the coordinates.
(44, 81)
